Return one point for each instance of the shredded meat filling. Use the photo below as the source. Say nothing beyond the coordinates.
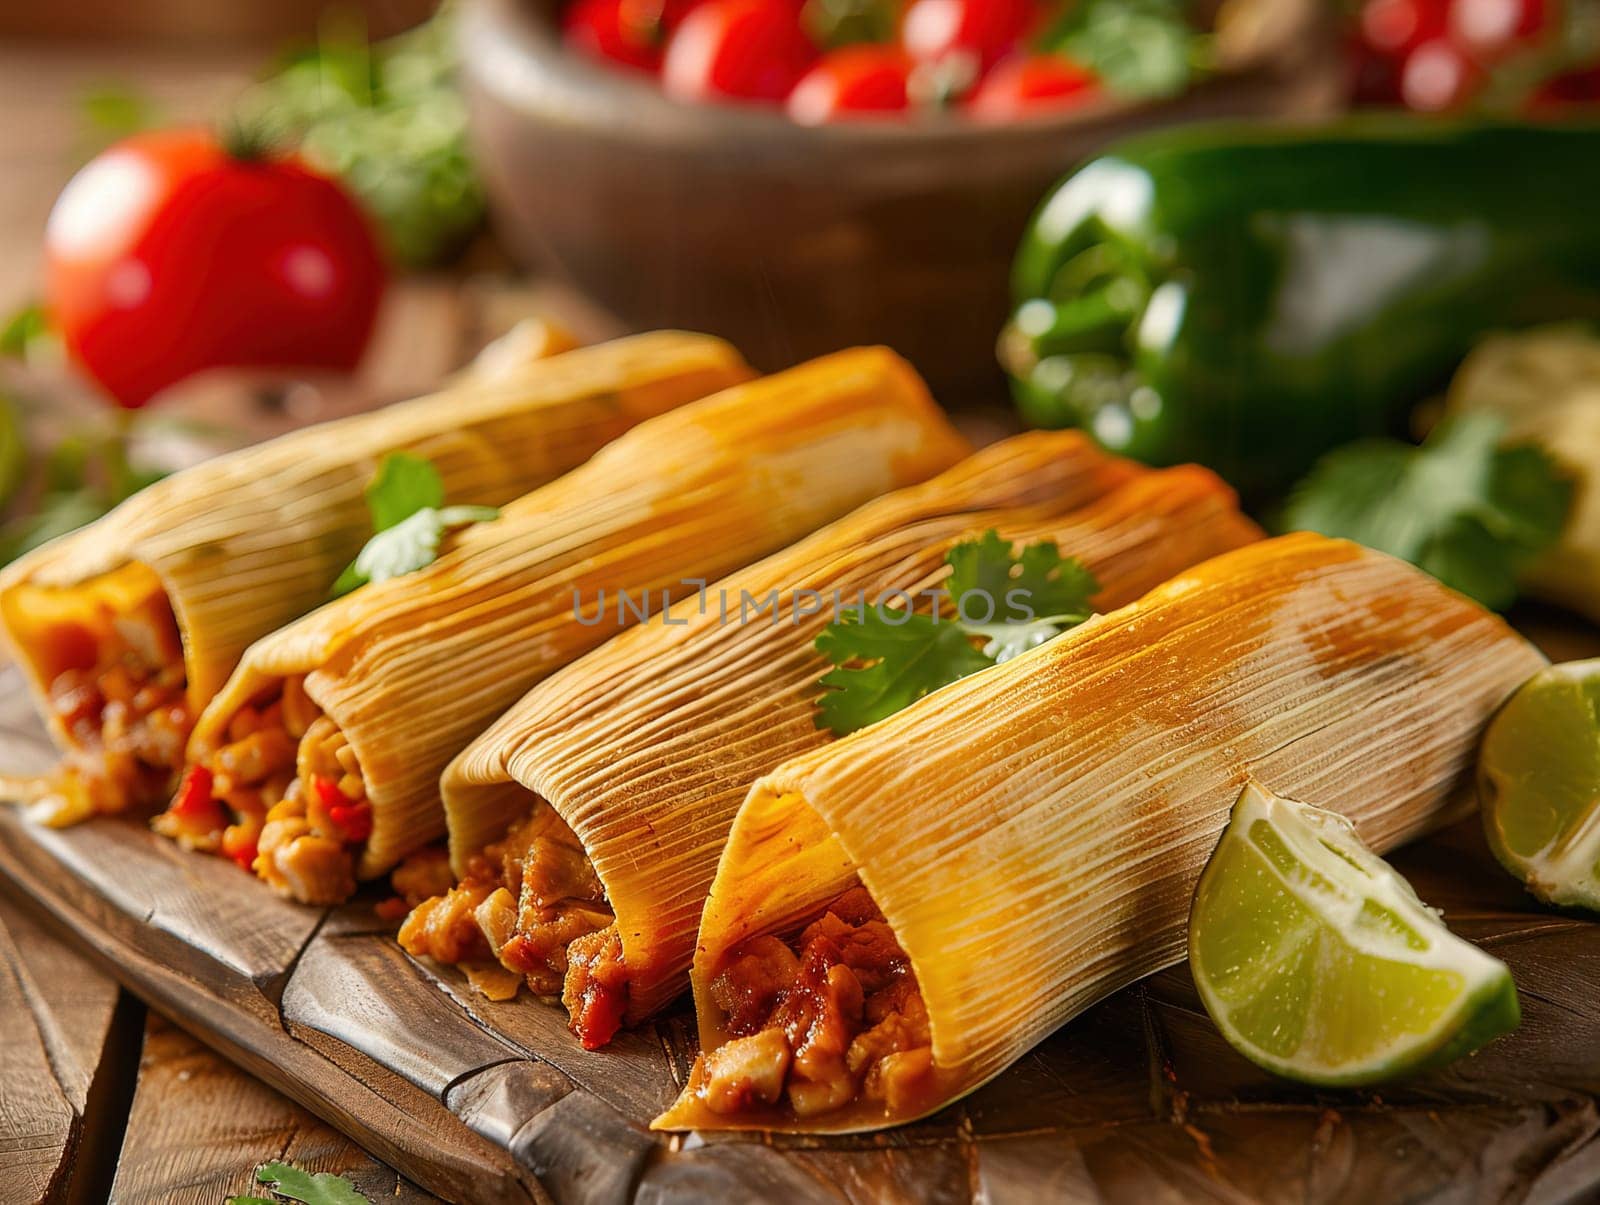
(127, 713)
(284, 796)
(539, 911)
(837, 1018)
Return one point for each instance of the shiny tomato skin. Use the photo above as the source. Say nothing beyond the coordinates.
(1496, 27)
(1397, 27)
(1033, 84)
(1439, 77)
(851, 83)
(166, 256)
(985, 29)
(752, 50)
(623, 33)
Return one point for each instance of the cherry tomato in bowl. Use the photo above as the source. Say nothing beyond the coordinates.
(851, 83)
(754, 50)
(620, 32)
(1030, 85)
(984, 30)
(166, 255)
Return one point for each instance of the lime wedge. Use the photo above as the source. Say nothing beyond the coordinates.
(1319, 963)
(1539, 784)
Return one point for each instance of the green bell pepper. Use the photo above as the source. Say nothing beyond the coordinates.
(1250, 297)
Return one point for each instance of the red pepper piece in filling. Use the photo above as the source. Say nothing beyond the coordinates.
(328, 793)
(354, 820)
(193, 801)
(240, 845)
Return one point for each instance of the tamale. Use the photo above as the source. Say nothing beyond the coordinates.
(636, 758)
(321, 757)
(127, 628)
(971, 873)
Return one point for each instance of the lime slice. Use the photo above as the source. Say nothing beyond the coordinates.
(1539, 784)
(1319, 963)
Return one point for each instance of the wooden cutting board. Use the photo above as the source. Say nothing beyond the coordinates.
(1137, 1100)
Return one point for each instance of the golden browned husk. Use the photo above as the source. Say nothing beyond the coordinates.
(647, 746)
(1033, 833)
(249, 541)
(413, 668)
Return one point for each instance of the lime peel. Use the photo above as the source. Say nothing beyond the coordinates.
(1319, 963)
(1539, 784)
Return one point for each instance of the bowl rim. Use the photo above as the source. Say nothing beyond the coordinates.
(499, 39)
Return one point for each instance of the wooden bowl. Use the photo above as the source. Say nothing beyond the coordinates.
(793, 241)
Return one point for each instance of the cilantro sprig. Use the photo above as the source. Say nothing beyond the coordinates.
(323, 1188)
(887, 659)
(409, 519)
(1461, 507)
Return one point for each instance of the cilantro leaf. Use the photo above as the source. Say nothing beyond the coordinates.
(403, 485)
(887, 660)
(1471, 513)
(907, 659)
(323, 1188)
(409, 518)
(409, 545)
(1011, 589)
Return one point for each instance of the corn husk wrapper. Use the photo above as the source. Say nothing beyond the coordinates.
(647, 747)
(413, 668)
(1033, 833)
(252, 540)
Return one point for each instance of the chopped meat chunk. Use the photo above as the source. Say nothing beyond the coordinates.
(746, 1072)
(596, 987)
(748, 990)
(444, 927)
(295, 797)
(540, 910)
(124, 705)
(846, 1008)
(424, 874)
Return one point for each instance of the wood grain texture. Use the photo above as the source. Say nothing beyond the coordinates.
(198, 1130)
(64, 1044)
(1137, 1100)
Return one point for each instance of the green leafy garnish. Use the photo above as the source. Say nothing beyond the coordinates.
(323, 1188)
(1461, 507)
(386, 119)
(886, 660)
(80, 479)
(409, 519)
(1140, 48)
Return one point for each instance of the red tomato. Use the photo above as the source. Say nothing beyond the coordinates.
(1033, 84)
(165, 256)
(852, 82)
(622, 32)
(1397, 27)
(1491, 27)
(1438, 76)
(745, 49)
(985, 29)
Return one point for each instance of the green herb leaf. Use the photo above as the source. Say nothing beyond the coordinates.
(13, 450)
(905, 660)
(409, 518)
(888, 660)
(1461, 507)
(388, 121)
(403, 485)
(1140, 48)
(324, 1188)
(24, 330)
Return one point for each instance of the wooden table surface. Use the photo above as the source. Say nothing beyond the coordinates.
(99, 1098)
